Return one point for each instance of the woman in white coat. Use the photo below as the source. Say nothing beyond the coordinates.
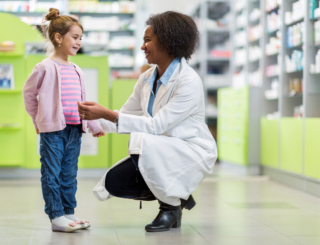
(171, 149)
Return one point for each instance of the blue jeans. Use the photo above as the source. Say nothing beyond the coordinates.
(59, 153)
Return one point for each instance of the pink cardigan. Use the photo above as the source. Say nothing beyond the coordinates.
(46, 110)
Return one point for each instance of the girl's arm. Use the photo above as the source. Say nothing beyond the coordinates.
(30, 93)
(94, 126)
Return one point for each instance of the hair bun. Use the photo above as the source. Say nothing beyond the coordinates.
(52, 14)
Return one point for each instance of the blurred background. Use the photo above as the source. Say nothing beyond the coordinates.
(259, 62)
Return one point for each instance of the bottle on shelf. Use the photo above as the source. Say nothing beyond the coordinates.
(295, 35)
(274, 45)
(315, 68)
(294, 62)
(313, 6)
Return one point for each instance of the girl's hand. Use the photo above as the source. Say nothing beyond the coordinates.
(37, 130)
(101, 133)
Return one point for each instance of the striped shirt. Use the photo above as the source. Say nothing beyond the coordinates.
(70, 93)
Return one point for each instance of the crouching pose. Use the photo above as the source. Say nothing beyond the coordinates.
(171, 149)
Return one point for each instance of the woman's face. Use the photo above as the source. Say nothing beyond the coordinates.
(153, 50)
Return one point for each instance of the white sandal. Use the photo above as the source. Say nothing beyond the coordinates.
(73, 226)
(83, 223)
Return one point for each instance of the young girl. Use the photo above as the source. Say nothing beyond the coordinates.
(51, 94)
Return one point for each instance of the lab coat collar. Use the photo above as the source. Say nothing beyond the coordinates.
(164, 89)
(166, 75)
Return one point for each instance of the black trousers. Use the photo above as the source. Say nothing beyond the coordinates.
(125, 180)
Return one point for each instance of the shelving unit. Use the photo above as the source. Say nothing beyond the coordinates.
(212, 59)
(240, 105)
(292, 119)
(112, 21)
(119, 15)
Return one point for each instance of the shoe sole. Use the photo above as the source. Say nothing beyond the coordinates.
(158, 230)
(56, 228)
(84, 228)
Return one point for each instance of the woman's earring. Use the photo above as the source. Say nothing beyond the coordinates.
(59, 45)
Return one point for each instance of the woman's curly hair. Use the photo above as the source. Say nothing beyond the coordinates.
(177, 32)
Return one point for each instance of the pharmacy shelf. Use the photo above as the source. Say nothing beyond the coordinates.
(111, 31)
(295, 22)
(26, 14)
(212, 41)
(246, 68)
(219, 30)
(298, 111)
(94, 14)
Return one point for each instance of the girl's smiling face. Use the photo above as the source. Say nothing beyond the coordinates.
(71, 42)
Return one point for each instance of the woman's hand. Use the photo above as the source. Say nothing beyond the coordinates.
(101, 133)
(92, 110)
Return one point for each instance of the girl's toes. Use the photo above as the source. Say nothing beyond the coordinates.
(72, 224)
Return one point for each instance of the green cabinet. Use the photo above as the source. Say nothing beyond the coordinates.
(312, 148)
(232, 139)
(291, 144)
(12, 117)
(269, 142)
(121, 91)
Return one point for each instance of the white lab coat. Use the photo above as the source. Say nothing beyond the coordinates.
(176, 148)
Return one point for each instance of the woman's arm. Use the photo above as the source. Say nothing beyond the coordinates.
(183, 104)
(93, 110)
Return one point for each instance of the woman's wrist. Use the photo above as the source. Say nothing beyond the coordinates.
(110, 115)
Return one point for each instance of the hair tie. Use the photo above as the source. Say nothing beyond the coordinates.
(57, 16)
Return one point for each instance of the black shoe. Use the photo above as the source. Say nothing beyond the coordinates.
(188, 204)
(168, 217)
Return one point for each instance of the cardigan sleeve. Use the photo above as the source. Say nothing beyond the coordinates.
(30, 93)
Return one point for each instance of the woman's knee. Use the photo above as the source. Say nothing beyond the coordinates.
(111, 184)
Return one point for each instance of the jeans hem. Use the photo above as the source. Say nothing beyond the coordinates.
(69, 211)
(56, 214)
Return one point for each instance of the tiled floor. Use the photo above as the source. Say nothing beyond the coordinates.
(237, 211)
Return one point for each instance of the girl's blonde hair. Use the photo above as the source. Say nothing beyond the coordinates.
(58, 24)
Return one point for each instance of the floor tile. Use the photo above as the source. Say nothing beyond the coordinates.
(16, 232)
(306, 240)
(71, 240)
(92, 232)
(155, 240)
(236, 230)
(278, 240)
(14, 241)
(139, 231)
(227, 212)
(298, 230)
(222, 220)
